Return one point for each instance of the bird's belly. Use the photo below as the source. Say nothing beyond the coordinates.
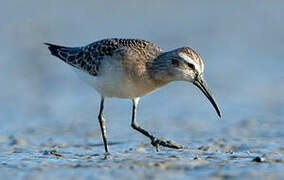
(116, 84)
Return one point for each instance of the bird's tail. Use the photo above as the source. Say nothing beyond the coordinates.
(66, 54)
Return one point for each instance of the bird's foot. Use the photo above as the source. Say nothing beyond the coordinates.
(106, 156)
(169, 144)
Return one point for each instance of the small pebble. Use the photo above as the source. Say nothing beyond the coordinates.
(204, 148)
(196, 158)
(258, 159)
(140, 150)
(15, 141)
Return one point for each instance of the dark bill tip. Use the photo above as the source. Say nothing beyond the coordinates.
(202, 85)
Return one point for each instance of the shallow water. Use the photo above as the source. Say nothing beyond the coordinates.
(48, 116)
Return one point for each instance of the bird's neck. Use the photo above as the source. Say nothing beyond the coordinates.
(158, 73)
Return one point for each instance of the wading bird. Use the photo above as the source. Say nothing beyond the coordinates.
(130, 69)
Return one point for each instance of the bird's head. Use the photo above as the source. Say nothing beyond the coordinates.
(182, 64)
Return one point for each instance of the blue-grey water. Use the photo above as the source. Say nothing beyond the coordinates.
(48, 117)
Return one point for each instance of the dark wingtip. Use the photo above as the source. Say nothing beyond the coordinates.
(53, 48)
(48, 44)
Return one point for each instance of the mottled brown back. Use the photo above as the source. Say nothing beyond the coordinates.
(88, 58)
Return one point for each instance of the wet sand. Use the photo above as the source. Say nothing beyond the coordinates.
(203, 158)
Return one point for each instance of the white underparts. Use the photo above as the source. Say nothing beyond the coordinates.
(113, 81)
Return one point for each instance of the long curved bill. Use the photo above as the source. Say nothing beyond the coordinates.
(202, 85)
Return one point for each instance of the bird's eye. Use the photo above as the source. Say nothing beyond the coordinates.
(175, 62)
(191, 66)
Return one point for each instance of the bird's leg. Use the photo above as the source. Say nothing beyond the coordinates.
(103, 125)
(154, 141)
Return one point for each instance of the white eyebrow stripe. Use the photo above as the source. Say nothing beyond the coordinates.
(188, 59)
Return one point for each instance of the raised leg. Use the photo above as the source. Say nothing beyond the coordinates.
(154, 141)
(103, 124)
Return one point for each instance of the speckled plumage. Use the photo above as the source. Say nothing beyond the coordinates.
(123, 68)
(88, 58)
(118, 66)
(132, 68)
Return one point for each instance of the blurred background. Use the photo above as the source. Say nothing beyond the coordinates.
(241, 43)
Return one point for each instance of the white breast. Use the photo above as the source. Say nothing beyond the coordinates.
(112, 81)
